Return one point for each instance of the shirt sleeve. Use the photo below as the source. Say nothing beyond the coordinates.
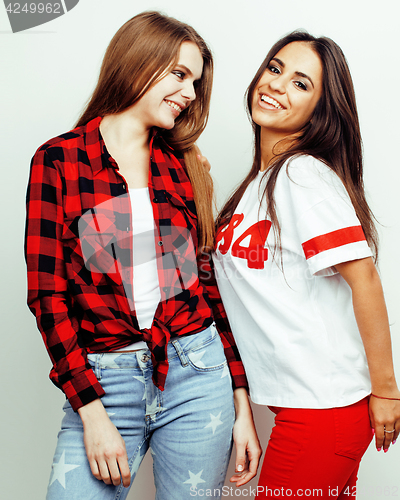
(207, 278)
(48, 296)
(327, 226)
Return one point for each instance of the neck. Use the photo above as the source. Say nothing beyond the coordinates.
(273, 144)
(267, 145)
(124, 132)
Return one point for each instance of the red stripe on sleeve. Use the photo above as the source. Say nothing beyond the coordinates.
(333, 240)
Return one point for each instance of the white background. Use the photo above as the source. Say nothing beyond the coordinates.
(48, 72)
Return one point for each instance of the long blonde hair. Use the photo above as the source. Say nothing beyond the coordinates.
(136, 58)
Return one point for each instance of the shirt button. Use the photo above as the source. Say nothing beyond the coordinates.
(155, 200)
(123, 187)
(160, 243)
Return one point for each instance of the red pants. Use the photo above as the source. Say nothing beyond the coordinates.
(315, 453)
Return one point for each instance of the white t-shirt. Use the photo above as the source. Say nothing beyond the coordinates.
(295, 330)
(146, 290)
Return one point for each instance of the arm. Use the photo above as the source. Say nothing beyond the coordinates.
(48, 299)
(370, 312)
(248, 449)
(48, 295)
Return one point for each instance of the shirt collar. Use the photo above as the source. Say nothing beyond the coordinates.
(95, 147)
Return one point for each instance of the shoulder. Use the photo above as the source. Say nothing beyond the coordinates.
(59, 150)
(307, 171)
(67, 140)
(307, 165)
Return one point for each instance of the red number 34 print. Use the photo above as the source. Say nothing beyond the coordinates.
(254, 253)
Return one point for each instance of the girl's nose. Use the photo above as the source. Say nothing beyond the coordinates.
(278, 84)
(188, 92)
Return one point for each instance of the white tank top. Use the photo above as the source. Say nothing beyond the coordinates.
(146, 291)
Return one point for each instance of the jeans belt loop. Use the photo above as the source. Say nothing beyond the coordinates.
(98, 366)
(182, 356)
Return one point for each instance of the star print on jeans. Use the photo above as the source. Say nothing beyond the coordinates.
(215, 422)
(194, 479)
(60, 469)
(225, 371)
(141, 379)
(136, 463)
(111, 360)
(195, 358)
(152, 409)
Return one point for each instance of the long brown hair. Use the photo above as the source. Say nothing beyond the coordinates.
(136, 58)
(332, 136)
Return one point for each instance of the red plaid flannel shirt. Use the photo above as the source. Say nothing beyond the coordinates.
(79, 257)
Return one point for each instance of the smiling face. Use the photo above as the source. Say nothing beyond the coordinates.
(166, 99)
(285, 97)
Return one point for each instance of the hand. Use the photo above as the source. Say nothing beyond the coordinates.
(105, 448)
(385, 415)
(248, 449)
(203, 159)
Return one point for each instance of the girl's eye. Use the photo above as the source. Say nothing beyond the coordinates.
(274, 69)
(301, 85)
(179, 74)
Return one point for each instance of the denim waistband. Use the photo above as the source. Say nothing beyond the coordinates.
(177, 346)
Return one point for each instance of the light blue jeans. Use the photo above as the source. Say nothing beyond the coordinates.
(188, 426)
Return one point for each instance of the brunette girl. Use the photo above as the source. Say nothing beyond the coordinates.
(118, 210)
(295, 266)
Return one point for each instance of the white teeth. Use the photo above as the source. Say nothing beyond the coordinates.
(271, 101)
(173, 105)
